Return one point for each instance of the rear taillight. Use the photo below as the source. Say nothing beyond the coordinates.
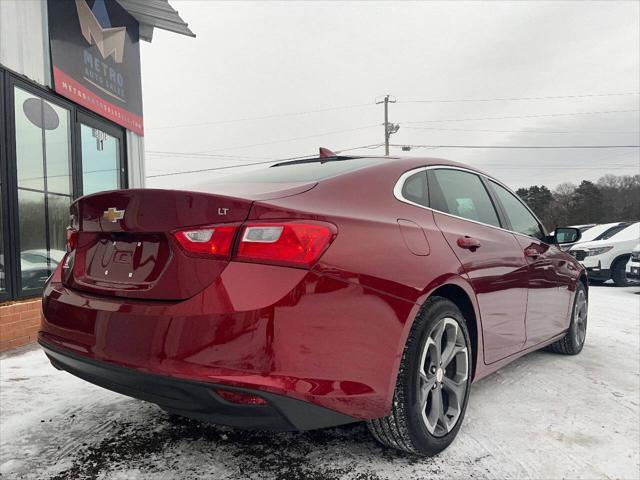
(72, 239)
(211, 241)
(287, 243)
(296, 244)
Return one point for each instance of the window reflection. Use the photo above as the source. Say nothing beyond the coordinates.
(43, 160)
(100, 160)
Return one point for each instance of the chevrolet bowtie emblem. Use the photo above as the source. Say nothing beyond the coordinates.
(113, 214)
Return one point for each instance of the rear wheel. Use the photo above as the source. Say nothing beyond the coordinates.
(573, 341)
(618, 273)
(433, 383)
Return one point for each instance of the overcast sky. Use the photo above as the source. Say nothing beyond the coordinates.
(275, 59)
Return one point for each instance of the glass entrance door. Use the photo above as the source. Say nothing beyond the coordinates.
(101, 156)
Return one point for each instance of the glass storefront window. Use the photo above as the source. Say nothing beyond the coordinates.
(100, 160)
(43, 163)
(53, 151)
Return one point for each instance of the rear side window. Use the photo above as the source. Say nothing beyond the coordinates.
(461, 194)
(521, 219)
(415, 188)
(612, 231)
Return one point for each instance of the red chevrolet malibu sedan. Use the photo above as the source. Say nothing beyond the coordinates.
(313, 293)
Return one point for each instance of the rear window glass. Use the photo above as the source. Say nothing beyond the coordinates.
(301, 172)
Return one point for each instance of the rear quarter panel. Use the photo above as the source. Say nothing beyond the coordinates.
(370, 252)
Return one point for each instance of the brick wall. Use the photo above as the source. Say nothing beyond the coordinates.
(19, 323)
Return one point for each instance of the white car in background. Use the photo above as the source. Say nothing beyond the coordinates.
(596, 232)
(633, 265)
(606, 258)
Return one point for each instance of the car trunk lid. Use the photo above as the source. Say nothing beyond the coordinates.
(125, 247)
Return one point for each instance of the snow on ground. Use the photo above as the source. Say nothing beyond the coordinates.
(543, 416)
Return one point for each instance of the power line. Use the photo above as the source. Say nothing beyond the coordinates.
(361, 105)
(516, 146)
(558, 167)
(210, 154)
(273, 160)
(225, 167)
(210, 169)
(268, 159)
(291, 139)
(519, 116)
(168, 154)
(511, 99)
(568, 132)
(371, 146)
(510, 165)
(265, 117)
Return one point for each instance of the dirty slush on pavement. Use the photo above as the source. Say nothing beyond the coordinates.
(285, 456)
(164, 446)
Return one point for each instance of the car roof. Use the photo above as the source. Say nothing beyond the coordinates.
(408, 163)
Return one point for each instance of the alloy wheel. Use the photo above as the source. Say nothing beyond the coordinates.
(444, 370)
(580, 317)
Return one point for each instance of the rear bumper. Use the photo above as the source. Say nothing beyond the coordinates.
(274, 330)
(197, 400)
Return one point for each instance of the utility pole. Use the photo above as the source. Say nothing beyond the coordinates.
(389, 128)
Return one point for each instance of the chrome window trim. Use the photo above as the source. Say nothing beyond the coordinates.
(397, 192)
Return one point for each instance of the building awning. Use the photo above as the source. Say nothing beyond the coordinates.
(155, 14)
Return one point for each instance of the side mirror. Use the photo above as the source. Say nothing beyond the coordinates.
(567, 235)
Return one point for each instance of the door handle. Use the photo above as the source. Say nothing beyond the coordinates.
(468, 243)
(531, 252)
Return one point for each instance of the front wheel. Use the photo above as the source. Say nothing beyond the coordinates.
(573, 341)
(618, 273)
(432, 388)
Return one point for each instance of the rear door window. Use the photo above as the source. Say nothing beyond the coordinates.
(521, 219)
(461, 194)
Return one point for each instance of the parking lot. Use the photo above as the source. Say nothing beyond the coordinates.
(543, 416)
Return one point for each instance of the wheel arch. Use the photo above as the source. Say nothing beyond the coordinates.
(618, 259)
(585, 281)
(456, 289)
(461, 298)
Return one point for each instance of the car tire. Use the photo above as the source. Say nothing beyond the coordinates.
(573, 341)
(618, 273)
(429, 401)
